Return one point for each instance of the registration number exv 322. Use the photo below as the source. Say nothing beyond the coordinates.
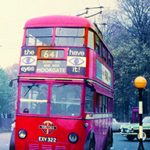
(47, 139)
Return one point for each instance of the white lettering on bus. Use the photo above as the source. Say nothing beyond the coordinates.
(54, 70)
(29, 52)
(47, 139)
(27, 69)
(76, 53)
(76, 69)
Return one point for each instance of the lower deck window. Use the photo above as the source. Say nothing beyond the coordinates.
(89, 105)
(33, 98)
(60, 99)
(66, 100)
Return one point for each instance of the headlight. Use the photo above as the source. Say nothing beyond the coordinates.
(129, 130)
(22, 134)
(73, 138)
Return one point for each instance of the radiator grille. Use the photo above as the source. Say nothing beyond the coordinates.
(46, 147)
(33, 147)
(36, 146)
(60, 148)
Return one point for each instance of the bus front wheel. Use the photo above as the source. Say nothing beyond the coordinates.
(90, 142)
(130, 137)
(12, 141)
(92, 145)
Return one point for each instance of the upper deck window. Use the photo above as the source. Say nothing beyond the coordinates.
(105, 53)
(69, 37)
(98, 45)
(39, 37)
(91, 39)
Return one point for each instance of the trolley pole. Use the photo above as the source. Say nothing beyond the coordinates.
(140, 83)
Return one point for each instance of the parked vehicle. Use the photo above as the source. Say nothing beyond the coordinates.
(131, 131)
(117, 125)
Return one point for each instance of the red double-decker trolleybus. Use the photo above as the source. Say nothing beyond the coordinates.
(65, 87)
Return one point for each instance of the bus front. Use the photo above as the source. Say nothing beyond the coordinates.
(65, 87)
(49, 115)
(51, 90)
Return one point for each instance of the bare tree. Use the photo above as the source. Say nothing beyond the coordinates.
(135, 18)
(128, 33)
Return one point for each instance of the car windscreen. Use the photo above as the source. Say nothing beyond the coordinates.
(146, 120)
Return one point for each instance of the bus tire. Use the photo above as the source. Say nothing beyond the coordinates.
(90, 142)
(92, 145)
(130, 137)
(110, 137)
(109, 140)
(12, 141)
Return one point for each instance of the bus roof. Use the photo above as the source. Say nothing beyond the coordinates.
(59, 21)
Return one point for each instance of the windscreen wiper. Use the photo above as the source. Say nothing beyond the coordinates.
(29, 88)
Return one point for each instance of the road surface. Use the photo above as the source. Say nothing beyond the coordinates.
(120, 142)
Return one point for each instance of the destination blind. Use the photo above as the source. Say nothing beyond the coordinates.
(52, 61)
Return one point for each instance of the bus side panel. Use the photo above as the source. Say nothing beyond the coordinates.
(104, 136)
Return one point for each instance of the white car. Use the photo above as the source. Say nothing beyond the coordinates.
(117, 125)
(13, 126)
(131, 131)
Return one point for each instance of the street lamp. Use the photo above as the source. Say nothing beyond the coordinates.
(140, 83)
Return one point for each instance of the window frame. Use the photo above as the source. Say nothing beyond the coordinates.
(89, 38)
(92, 109)
(66, 37)
(40, 36)
(27, 112)
(61, 102)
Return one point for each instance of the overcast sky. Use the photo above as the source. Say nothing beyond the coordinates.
(14, 13)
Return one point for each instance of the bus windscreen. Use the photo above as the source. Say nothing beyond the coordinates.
(66, 100)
